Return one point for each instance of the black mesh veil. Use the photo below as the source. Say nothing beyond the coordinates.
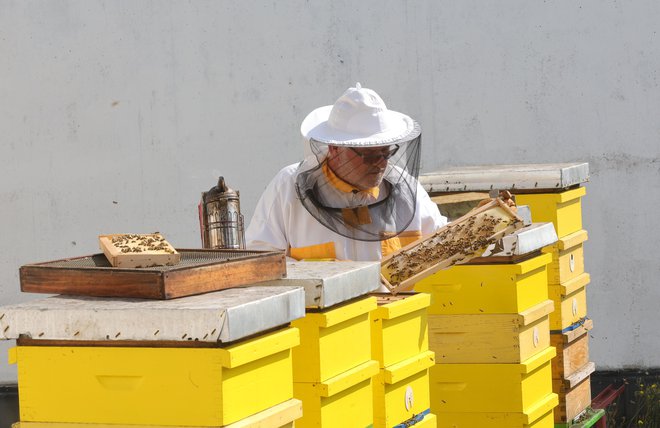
(351, 214)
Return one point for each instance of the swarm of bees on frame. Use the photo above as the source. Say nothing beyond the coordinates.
(455, 241)
(142, 243)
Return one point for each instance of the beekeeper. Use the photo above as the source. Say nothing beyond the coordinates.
(356, 195)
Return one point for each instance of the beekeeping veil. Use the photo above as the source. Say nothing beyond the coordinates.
(358, 133)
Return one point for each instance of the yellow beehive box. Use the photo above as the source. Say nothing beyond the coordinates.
(333, 341)
(488, 289)
(567, 257)
(345, 400)
(563, 209)
(538, 415)
(491, 387)
(401, 391)
(490, 338)
(399, 328)
(190, 386)
(570, 302)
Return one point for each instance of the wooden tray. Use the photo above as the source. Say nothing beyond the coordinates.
(456, 242)
(199, 271)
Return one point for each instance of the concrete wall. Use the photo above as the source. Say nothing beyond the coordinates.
(115, 115)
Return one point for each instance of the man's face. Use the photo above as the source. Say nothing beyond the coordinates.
(362, 167)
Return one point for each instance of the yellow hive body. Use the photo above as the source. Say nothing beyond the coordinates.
(345, 400)
(399, 330)
(563, 209)
(567, 257)
(570, 301)
(490, 338)
(399, 341)
(401, 391)
(333, 341)
(155, 386)
(491, 387)
(488, 289)
(538, 415)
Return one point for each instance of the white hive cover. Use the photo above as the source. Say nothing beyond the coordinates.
(221, 316)
(329, 283)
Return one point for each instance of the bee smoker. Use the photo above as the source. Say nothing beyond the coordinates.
(220, 218)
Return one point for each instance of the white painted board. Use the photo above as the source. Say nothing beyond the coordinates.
(505, 177)
(222, 316)
(329, 283)
(524, 241)
(525, 214)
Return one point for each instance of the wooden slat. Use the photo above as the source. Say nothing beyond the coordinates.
(103, 283)
(454, 198)
(569, 336)
(431, 264)
(572, 402)
(566, 384)
(570, 356)
(64, 277)
(204, 279)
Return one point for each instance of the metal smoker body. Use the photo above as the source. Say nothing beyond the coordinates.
(221, 220)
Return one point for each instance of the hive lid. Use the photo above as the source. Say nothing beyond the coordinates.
(488, 177)
(222, 316)
(329, 283)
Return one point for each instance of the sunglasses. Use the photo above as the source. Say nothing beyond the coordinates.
(371, 157)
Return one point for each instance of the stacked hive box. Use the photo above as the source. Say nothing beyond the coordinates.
(196, 361)
(399, 343)
(552, 193)
(489, 328)
(567, 281)
(333, 368)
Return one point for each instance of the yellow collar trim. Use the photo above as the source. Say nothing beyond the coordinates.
(344, 186)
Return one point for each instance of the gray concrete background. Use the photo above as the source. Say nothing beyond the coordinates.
(115, 115)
